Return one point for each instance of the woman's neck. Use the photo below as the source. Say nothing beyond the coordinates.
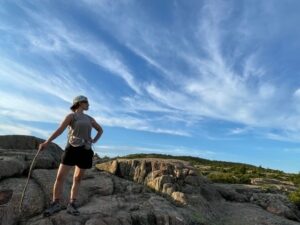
(79, 110)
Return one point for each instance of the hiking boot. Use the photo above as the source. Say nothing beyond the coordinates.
(72, 209)
(53, 208)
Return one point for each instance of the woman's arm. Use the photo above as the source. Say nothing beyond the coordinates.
(99, 129)
(58, 132)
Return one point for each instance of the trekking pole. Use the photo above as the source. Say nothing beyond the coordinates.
(29, 174)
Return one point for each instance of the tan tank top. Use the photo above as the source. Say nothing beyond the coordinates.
(80, 130)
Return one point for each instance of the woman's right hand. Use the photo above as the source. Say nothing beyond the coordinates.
(43, 145)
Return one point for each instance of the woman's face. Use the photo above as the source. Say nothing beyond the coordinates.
(84, 105)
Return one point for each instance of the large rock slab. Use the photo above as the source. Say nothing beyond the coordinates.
(12, 166)
(231, 213)
(208, 202)
(20, 142)
(275, 184)
(162, 175)
(112, 200)
(33, 202)
(276, 204)
(272, 202)
(25, 147)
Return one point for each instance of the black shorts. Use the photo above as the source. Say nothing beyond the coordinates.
(79, 156)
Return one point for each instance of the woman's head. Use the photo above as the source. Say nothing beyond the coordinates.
(79, 101)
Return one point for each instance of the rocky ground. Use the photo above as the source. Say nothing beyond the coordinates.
(132, 192)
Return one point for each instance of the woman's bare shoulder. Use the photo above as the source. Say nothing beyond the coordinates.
(90, 117)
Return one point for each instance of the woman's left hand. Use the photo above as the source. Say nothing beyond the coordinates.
(43, 145)
(91, 141)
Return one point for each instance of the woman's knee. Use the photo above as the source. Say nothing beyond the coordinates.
(62, 173)
(78, 174)
(77, 178)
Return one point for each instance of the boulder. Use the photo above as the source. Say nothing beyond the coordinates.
(179, 197)
(24, 148)
(276, 204)
(33, 202)
(20, 142)
(5, 196)
(258, 181)
(274, 184)
(158, 182)
(110, 166)
(161, 175)
(12, 166)
(45, 179)
(229, 213)
(230, 194)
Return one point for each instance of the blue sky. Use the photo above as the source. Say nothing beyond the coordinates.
(214, 79)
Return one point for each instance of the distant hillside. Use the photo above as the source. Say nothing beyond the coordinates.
(227, 172)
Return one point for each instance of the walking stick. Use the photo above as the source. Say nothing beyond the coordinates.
(29, 174)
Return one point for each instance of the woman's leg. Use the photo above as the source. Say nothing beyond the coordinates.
(62, 173)
(77, 177)
(57, 190)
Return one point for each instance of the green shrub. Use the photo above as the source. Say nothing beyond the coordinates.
(269, 188)
(295, 178)
(294, 197)
(242, 169)
(245, 179)
(223, 178)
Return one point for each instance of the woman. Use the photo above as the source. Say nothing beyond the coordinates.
(77, 153)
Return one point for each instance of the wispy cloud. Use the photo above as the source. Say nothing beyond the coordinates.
(54, 41)
(63, 87)
(239, 130)
(8, 129)
(22, 129)
(285, 135)
(58, 39)
(139, 124)
(204, 74)
(24, 108)
(216, 88)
